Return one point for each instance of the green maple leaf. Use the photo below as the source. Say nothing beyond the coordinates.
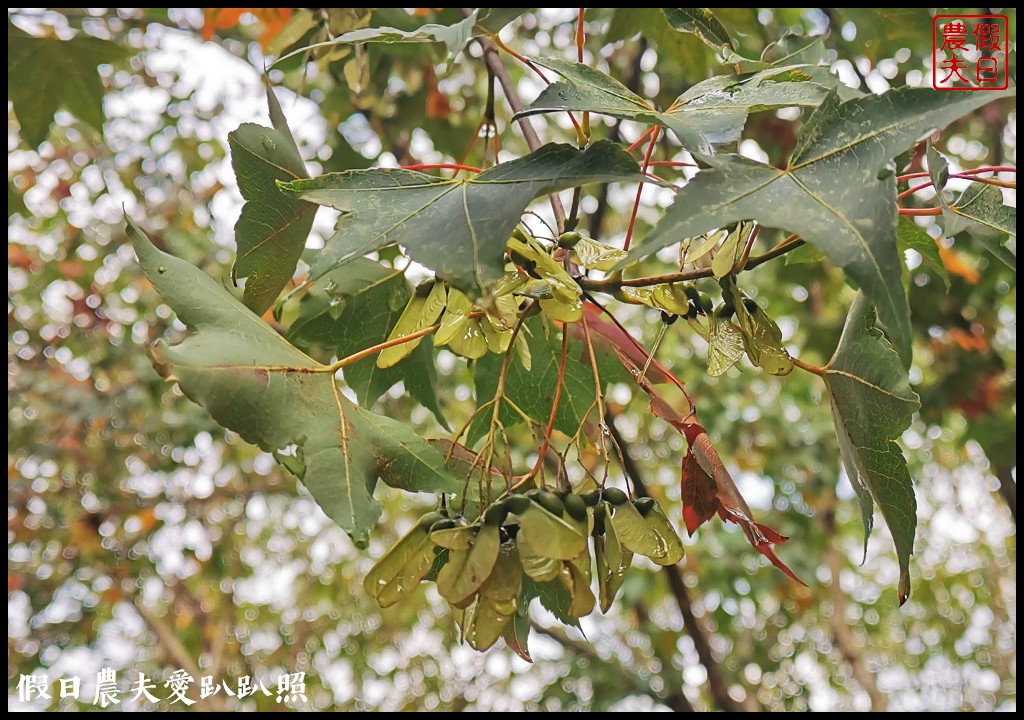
(790, 49)
(482, 21)
(872, 404)
(356, 307)
(710, 113)
(837, 192)
(532, 390)
(980, 210)
(46, 74)
(702, 23)
(252, 381)
(911, 236)
(456, 227)
(271, 232)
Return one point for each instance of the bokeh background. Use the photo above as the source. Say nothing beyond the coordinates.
(144, 538)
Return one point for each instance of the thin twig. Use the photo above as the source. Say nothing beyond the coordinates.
(846, 641)
(677, 701)
(611, 284)
(493, 62)
(175, 650)
(717, 684)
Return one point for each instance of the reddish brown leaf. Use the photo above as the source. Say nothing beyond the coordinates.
(622, 342)
(707, 487)
(438, 107)
(733, 507)
(699, 495)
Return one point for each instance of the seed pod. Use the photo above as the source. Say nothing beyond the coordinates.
(569, 239)
(725, 312)
(517, 504)
(615, 496)
(704, 303)
(550, 502)
(591, 497)
(575, 506)
(644, 505)
(496, 514)
(599, 521)
(459, 580)
(401, 568)
(427, 521)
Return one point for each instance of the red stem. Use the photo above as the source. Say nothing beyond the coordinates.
(640, 140)
(975, 171)
(554, 411)
(920, 212)
(443, 166)
(640, 189)
(579, 37)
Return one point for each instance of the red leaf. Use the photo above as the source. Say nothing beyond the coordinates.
(707, 487)
(700, 494)
(438, 107)
(732, 507)
(622, 343)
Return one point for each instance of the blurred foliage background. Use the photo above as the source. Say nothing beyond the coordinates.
(143, 537)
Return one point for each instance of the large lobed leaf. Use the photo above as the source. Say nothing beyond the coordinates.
(356, 308)
(252, 381)
(836, 192)
(532, 389)
(872, 404)
(702, 23)
(981, 211)
(271, 232)
(45, 74)
(456, 227)
(710, 113)
(482, 21)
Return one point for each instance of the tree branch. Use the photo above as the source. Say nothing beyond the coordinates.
(845, 640)
(717, 684)
(494, 64)
(675, 700)
(176, 651)
(611, 284)
(1008, 488)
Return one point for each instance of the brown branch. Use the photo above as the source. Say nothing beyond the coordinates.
(177, 653)
(596, 220)
(675, 697)
(676, 700)
(717, 684)
(845, 640)
(1008, 488)
(494, 64)
(611, 284)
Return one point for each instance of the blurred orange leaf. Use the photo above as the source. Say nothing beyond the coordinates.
(438, 107)
(973, 341)
(956, 265)
(272, 19)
